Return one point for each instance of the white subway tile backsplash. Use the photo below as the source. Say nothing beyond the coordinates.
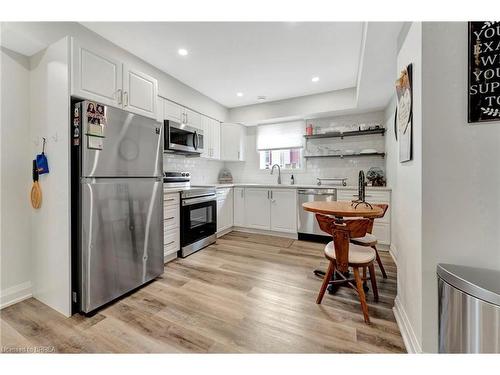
(203, 171)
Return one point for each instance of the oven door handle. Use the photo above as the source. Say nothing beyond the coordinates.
(190, 201)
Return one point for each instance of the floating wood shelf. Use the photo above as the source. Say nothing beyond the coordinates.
(381, 154)
(380, 131)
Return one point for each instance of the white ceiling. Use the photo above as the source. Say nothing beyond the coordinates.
(274, 59)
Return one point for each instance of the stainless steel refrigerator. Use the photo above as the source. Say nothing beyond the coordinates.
(117, 200)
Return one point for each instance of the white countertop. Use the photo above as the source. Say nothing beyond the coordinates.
(282, 186)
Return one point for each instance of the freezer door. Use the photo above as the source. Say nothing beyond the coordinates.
(122, 237)
(131, 147)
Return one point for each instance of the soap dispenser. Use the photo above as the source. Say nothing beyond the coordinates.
(292, 180)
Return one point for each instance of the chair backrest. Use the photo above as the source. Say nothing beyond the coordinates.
(384, 207)
(342, 233)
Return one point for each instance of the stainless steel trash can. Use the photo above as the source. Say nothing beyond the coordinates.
(469, 309)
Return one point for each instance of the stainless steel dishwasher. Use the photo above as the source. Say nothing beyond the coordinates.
(469, 309)
(308, 226)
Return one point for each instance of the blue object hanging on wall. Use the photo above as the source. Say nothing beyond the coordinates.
(42, 165)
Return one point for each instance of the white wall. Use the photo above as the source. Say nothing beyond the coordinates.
(406, 182)
(15, 179)
(49, 106)
(249, 171)
(294, 108)
(461, 170)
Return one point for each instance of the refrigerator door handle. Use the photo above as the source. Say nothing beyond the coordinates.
(119, 96)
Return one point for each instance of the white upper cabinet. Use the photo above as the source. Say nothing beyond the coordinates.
(211, 137)
(215, 139)
(140, 92)
(257, 208)
(232, 142)
(182, 115)
(160, 103)
(284, 210)
(95, 76)
(173, 111)
(192, 118)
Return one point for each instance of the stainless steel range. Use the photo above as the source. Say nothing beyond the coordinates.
(198, 213)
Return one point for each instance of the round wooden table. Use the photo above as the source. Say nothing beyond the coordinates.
(342, 209)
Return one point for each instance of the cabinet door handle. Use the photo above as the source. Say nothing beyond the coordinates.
(268, 194)
(169, 199)
(170, 218)
(120, 96)
(125, 98)
(170, 243)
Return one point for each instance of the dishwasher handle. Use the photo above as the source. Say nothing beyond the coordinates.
(331, 192)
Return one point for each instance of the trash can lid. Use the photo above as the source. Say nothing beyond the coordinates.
(481, 283)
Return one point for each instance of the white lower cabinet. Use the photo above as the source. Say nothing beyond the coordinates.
(171, 225)
(257, 208)
(284, 210)
(239, 207)
(224, 209)
(268, 209)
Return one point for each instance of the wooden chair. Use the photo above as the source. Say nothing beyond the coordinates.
(342, 255)
(369, 240)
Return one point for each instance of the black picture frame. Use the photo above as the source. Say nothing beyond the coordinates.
(475, 103)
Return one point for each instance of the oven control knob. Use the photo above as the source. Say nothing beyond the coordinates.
(187, 174)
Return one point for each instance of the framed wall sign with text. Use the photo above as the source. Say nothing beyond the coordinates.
(484, 71)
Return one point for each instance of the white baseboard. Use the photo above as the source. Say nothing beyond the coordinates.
(223, 232)
(393, 251)
(267, 232)
(15, 294)
(410, 339)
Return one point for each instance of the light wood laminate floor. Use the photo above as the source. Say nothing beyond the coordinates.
(247, 293)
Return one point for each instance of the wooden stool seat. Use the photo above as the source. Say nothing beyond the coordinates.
(358, 255)
(367, 240)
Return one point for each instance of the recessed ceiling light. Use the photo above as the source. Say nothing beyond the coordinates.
(315, 79)
(261, 98)
(182, 51)
(239, 94)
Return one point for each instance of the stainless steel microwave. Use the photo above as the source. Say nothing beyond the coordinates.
(182, 138)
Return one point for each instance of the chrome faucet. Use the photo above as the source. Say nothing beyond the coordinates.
(279, 172)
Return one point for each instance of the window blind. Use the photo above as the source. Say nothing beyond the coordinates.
(281, 135)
